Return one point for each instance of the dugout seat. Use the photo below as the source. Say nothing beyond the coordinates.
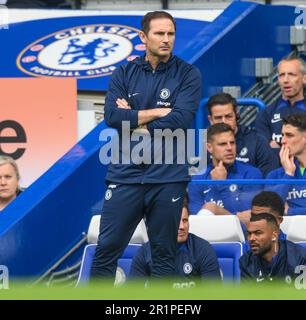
(217, 228)
(297, 229)
(228, 254)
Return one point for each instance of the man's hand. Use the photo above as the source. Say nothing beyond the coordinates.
(244, 216)
(217, 210)
(287, 161)
(219, 172)
(123, 104)
(274, 144)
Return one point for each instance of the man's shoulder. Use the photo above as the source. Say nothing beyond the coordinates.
(187, 67)
(295, 250)
(197, 241)
(246, 168)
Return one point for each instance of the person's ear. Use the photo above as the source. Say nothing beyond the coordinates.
(142, 37)
(209, 147)
(210, 119)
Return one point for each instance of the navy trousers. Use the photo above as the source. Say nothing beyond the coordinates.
(124, 206)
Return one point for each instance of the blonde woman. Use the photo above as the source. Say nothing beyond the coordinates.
(9, 181)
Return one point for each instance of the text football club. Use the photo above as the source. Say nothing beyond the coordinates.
(83, 52)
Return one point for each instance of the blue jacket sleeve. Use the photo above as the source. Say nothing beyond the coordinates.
(139, 266)
(185, 106)
(281, 189)
(112, 114)
(196, 198)
(262, 125)
(208, 263)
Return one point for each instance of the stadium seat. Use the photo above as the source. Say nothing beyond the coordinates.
(140, 235)
(124, 263)
(286, 224)
(228, 254)
(217, 228)
(297, 229)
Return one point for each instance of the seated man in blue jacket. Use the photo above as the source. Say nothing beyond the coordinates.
(291, 80)
(222, 146)
(293, 160)
(252, 148)
(269, 258)
(195, 257)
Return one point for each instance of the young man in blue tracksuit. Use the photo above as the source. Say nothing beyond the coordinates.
(195, 258)
(270, 258)
(291, 79)
(230, 198)
(252, 148)
(264, 201)
(157, 91)
(293, 160)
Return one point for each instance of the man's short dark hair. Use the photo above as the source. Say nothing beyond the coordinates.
(216, 129)
(221, 99)
(271, 200)
(297, 120)
(146, 20)
(265, 216)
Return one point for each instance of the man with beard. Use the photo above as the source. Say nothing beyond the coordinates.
(269, 258)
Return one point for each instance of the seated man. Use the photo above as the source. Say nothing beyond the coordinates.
(265, 201)
(252, 148)
(9, 181)
(293, 160)
(269, 258)
(195, 256)
(291, 79)
(221, 145)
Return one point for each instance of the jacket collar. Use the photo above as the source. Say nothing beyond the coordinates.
(162, 66)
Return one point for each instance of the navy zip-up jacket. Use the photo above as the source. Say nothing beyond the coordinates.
(255, 150)
(194, 258)
(174, 84)
(283, 264)
(269, 121)
(231, 197)
(294, 195)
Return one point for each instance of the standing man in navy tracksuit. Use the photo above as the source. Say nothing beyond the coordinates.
(195, 257)
(156, 91)
(218, 198)
(291, 79)
(270, 258)
(252, 148)
(293, 160)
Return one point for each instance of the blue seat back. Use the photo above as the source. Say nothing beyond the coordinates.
(228, 254)
(124, 263)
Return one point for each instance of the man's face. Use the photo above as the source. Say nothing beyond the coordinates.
(183, 227)
(160, 38)
(294, 139)
(291, 79)
(257, 209)
(260, 235)
(222, 147)
(223, 113)
(8, 181)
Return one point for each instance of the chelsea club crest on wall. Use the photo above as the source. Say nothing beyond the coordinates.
(82, 52)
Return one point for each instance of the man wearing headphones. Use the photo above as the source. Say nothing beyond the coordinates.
(251, 147)
(270, 258)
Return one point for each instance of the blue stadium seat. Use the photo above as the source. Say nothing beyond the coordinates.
(228, 254)
(124, 263)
